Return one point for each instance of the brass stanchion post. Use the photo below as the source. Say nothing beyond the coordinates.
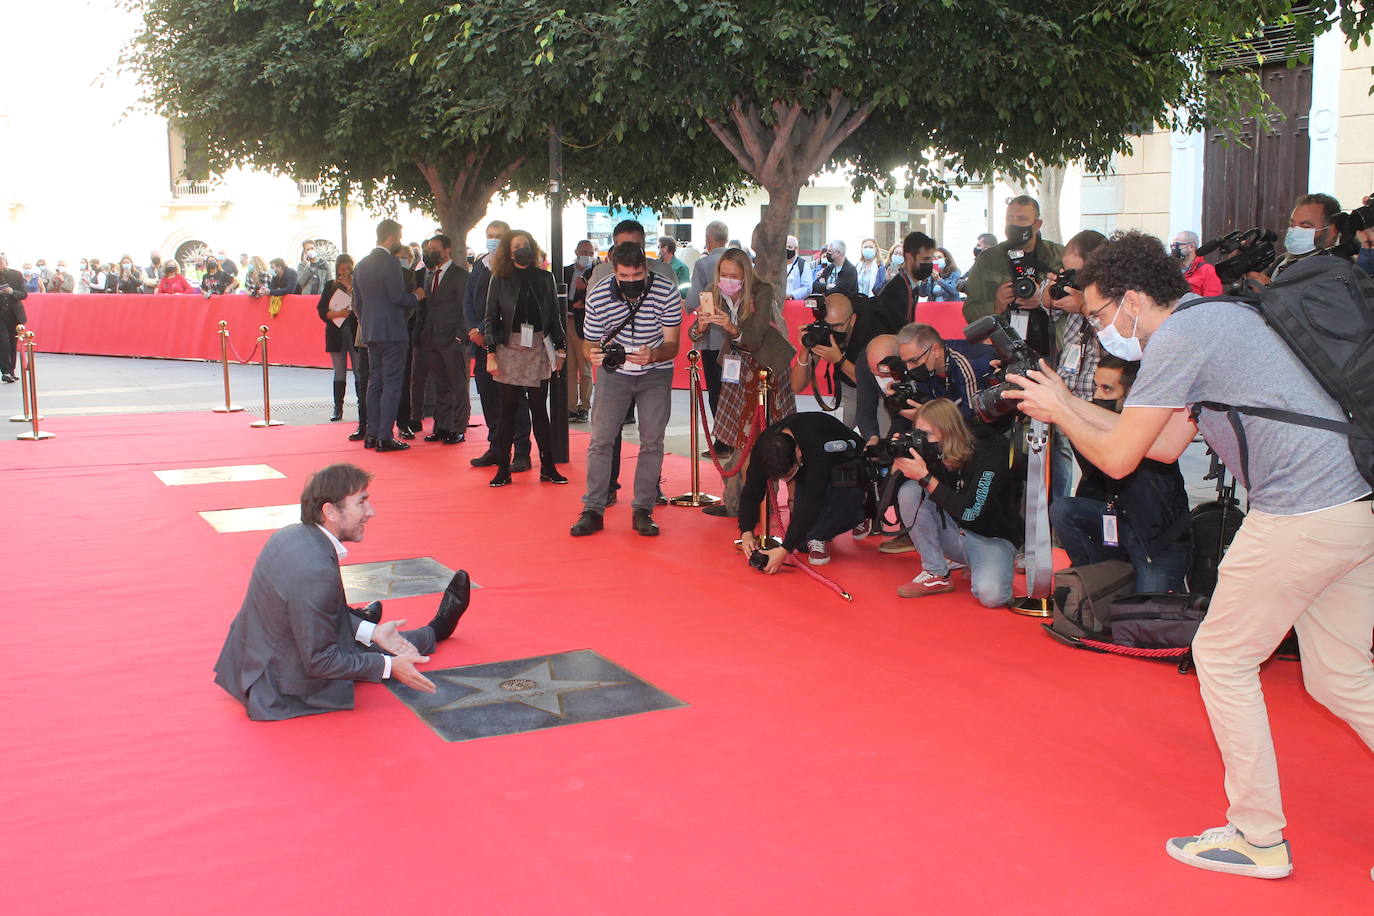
(767, 542)
(696, 498)
(229, 406)
(266, 420)
(26, 416)
(30, 381)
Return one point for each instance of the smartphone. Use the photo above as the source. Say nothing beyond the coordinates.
(707, 306)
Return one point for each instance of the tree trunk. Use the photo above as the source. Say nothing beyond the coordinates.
(1051, 184)
(462, 197)
(782, 157)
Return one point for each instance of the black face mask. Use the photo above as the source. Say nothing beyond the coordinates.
(630, 289)
(433, 259)
(523, 257)
(830, 256)
(923, 271)
(1113, 406)
(791, 253)
(1019, 236)
(211, 267)
(1177, 251)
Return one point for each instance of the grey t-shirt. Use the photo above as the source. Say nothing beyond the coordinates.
(1224, 352)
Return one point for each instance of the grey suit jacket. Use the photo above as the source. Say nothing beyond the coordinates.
(381, 300)
(443, 318)
(291, 650)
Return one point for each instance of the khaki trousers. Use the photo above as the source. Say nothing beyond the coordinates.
(579, 372)
(1311, 572)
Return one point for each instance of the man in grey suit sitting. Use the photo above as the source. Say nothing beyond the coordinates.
(383, 305)
(296, 647)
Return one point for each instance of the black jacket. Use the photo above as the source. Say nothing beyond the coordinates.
(10, 308)
(440, 319)
(895, 304)
(502, 296)
(981, 496)
(1152, 499)
(846, 281)
(285, 285)
(336, 337)
(826, 444)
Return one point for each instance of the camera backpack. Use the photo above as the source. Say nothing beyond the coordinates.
(1323, 308)
(1166, 622)
(1083, 596)
(1213, 525)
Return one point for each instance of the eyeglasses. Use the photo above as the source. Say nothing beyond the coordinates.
(920, 360)
(1096, 322)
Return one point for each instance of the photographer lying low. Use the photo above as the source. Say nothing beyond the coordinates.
(1304, 556)
(821, 459)
(960, 502)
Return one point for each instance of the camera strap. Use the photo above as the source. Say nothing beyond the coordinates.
(634, 310)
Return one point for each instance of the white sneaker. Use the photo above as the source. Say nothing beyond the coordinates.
(862, 530)
(818, 553)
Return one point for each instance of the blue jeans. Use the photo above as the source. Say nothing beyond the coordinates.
(991, 561)
(1077, 522)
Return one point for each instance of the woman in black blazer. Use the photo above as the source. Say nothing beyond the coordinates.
(526, 344)
(340, 338)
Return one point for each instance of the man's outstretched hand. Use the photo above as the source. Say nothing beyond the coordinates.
(388, 637)
(403, 669)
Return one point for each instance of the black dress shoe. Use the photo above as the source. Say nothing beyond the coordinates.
(357, 435)
(551, 475)
(487, 459)
(337, 414)
(392, 445)
(718, 510)
(406, 433)
(436, 436)
(451, 607)
(521, 464)
(9, 379)
(643, 522)
(501, 479)
(372, 612)
(370, 442)
(589, 522)
(453, 438)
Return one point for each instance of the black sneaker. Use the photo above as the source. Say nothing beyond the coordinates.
(487, 459)
(589, 522)
(643, 523)
(521, 463)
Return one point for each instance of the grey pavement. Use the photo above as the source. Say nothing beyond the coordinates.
(95, 385)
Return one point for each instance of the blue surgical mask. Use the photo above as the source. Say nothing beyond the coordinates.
(584, 261)
(1300, 240)
(1127, 348)
(870, 254)
(493, 244)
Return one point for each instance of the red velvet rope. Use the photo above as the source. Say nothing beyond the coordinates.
(1133, 651)
(234, 350)
(755, 427)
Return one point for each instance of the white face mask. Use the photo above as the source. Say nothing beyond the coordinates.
(1300, 240)
(885, 383)
(310, 255)
(584, 261)
(1127, 348)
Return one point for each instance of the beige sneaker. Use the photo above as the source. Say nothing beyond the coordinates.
(900, 544)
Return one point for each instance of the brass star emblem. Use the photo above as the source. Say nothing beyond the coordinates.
(535, 687)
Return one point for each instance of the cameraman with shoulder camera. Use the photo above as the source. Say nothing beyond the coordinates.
(1311, 230)
(1201, 276)
(1304, 556)
(1007, 276)
(959, 500)
(631, 332)
(821, 459)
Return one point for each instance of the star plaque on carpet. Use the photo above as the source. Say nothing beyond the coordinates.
(406, 578)
(528, 694)
(254, 518)
(182, 477)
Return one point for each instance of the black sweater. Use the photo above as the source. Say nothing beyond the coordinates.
(813, 431)
(981, 495)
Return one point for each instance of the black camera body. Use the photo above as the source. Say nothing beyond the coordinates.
(905, 387)
(1349, 225)
(1024, 281)
(758, 559)
(1064, 281)
(612, 355)
(1016, 356)
(1242, 252)
(818, 333)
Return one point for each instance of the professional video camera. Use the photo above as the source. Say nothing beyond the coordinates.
(1064, 281)
(1349, 224)
(818, 333)
(1015, 355)
(1242, 253)
(905, 382)
(1023, 275)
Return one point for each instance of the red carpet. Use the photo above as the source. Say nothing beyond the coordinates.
(884, 756)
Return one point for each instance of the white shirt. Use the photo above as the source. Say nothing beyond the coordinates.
(365, 627)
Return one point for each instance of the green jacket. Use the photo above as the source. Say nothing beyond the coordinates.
(993, 268)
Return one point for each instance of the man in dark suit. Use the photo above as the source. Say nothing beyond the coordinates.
(12, 291)
(382, 303)
(296, 647)
(441, 337)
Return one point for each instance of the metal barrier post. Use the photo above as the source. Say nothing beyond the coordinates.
(767, 542)
(26, 416)
(229, 406)
(30, 382)
(696, 498)
(266, 420)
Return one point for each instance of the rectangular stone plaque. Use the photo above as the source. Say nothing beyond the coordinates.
(254, 518)
(529, 694)
(182, 477)
(405, 578)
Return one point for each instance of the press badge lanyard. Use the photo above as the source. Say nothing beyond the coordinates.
(1110, 535)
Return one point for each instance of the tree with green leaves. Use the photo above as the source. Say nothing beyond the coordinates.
(933, 90)
(283, 86)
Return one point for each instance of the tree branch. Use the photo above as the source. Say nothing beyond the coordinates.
(782, 135)
(731, 143)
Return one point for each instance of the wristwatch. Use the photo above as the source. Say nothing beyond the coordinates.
(925, 481)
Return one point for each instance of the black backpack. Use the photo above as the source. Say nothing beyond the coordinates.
(1323, 308)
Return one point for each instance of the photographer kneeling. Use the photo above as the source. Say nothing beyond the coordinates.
(960, 501)
(821, 459)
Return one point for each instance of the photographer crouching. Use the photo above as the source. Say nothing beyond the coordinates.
(821, 459)
(1304, 556)
(959, 500)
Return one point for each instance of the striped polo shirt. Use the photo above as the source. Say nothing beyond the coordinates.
(661, 309)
